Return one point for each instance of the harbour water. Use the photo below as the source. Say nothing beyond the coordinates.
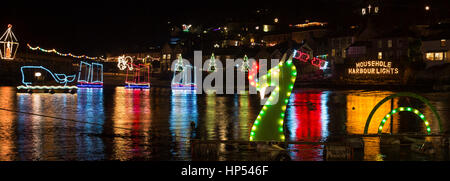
(115, 123)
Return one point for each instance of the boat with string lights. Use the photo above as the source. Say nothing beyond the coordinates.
(184, 76)
(90, 75)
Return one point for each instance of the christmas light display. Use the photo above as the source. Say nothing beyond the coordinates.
(212, 64)
(182, 81)
(35, 74)
(400, 109)
(125, 62)
(269, 123)
(245, 66)
(407, 109)
(91, 76)
(9, 44)
(63, 54)
(252, 74)
(140, 77)
(304, 57)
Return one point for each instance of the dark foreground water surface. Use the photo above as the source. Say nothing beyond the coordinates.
(120, 124)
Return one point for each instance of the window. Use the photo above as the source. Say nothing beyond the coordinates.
(438, 56)
(429, 56)
(343, 53)
(380, 44)
(168, 56)
(389, 43)
(380, 55)
(164, 56)
(399, 43)
(333, 52)
(443, 43)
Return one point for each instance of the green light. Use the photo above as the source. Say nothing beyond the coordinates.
(281, 129)
(394, 111)
(384, 120)
(256, 122)
(252, 133)
(408, 109)
(422, 116)
(282, 115)
(380, 128)
(286, 101)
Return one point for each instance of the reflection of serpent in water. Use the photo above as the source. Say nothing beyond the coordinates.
(269, 123)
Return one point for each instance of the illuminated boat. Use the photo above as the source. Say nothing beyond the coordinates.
(90, 75)
(183, 76)
(138, 77)
(38, 79)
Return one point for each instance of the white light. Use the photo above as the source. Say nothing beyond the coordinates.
(37, 74)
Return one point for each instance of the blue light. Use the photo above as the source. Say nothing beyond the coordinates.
(59, 78)
(131, 86)
(88, 80)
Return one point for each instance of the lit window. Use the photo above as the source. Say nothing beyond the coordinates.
(164, 56)
(266, 28)
(443, 43)
(168, 56)
(343, 53)
(430, 56)
(333, 52)
(380, 55)
(438, 56)
(389, 43)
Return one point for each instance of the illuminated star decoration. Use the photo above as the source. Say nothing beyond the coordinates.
(268, 126)
(63, 54)
(9, 44)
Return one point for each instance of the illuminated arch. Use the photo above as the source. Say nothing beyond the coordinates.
(404, 109)
(401, 94)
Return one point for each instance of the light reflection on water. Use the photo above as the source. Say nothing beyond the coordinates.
(122, 124)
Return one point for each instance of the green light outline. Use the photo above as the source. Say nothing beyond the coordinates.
(402, 94)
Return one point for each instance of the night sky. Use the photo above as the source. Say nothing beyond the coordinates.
(97, 27)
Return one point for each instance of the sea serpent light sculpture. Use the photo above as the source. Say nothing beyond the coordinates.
(268, 126)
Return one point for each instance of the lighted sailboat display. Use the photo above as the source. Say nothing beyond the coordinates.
(184, 77)
(90, 75)
(138, 77)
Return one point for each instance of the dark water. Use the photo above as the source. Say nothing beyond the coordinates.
(121, 124)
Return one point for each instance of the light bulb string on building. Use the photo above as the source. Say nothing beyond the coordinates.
(63, 54)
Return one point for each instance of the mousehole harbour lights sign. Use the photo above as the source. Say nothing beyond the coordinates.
(373, 67)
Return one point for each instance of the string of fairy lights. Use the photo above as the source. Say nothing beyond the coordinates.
(63, 54)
